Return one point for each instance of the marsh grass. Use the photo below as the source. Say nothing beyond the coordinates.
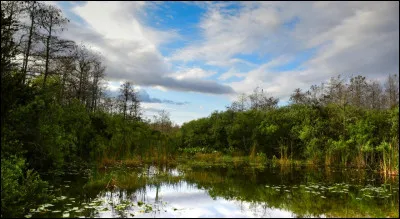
(125, 177)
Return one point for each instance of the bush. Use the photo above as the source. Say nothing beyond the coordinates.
(21, 189)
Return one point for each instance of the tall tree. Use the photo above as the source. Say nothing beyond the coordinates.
(298, 97)
(240, 104)
(162, 121)
(255, 98)
(392, 91)
(33, 12)
(85, 59)
(134, 109)
(374, 96)
(52, 21)
(126, 93)
(98, 75)
(9, 49)
(357, 90)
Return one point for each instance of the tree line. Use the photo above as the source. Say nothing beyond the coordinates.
(343, 122)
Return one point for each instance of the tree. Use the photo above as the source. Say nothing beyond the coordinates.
(52, 21)
(334, 91)
(269, 103)
(98, 75)
(314, 94)
(374, 95)
(134, 109)
(85, 59)
(392, 91)
(357, 89)
(255, 98)
(126, 95)
(33, 10)
(9, 49)
(241, 104)
(298, 97)
(162, 121)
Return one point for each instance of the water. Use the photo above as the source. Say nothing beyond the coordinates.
(225, 192)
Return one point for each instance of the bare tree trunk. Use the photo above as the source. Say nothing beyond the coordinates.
(28, 49)
(46, 72)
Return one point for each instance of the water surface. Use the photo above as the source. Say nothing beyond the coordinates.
(226, 192)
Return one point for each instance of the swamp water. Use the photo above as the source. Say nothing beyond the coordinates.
(223, 192)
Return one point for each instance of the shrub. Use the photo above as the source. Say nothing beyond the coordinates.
(21, 189)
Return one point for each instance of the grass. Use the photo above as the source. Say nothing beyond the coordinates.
(201, 160)
(135, 161)
(210, 159)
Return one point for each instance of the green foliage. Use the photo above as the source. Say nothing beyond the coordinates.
(319, 134)
(195, 150)
(21, 189)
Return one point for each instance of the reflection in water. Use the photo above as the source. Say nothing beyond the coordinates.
(245, 192)
(185, 200)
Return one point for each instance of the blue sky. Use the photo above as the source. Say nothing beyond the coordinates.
(204, 54)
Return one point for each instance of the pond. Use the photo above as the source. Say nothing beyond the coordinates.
(223, 192)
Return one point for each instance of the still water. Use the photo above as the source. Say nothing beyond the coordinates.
(224, 192)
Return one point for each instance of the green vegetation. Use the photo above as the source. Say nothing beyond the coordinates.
(55, 116)
(316, 129)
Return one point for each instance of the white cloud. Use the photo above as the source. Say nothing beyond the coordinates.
(227, 34)
(231, 73)
(130, 47)
(192, 73)
(349, 38)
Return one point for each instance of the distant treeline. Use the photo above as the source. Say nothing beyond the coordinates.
(352, 122)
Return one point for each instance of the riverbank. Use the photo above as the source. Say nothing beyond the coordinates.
(221, 160)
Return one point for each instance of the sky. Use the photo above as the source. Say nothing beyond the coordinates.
(193, 58)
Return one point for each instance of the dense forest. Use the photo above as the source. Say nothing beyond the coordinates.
(56, 115)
